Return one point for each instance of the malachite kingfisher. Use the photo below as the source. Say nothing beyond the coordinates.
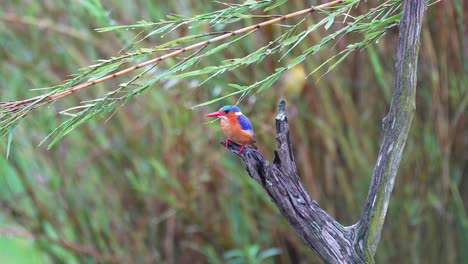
(235, 126)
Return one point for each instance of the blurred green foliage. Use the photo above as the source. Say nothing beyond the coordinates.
(152, 184)
(20, 251)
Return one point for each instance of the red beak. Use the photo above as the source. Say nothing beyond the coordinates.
(214, 114)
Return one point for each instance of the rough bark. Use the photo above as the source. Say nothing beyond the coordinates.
(333, 242)
(396, 126)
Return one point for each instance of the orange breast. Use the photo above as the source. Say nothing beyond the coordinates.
(234, 132)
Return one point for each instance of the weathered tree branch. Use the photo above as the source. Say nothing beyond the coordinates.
(396, 126)
(333, 242)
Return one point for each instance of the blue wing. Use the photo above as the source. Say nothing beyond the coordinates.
(245, 123)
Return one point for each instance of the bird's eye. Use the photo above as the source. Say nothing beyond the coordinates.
(226, 111)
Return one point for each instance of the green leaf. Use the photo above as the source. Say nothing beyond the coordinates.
(10, 138)
(141, 24)
(275, 5)
(253, 250)
(296, 61)
(338, 61)
(331, 19)
(234, 253)
(290, 40)
(218, 48)
(236, 86)
(206, 70)
(271, 79)
(103, 71)
(268, 253)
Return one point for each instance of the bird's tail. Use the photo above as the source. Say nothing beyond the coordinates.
(254, 144)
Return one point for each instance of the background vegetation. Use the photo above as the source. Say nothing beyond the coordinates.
(152, 184)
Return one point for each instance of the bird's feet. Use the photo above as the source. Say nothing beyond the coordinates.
(242, 147)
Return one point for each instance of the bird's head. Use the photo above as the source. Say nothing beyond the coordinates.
(226, 112)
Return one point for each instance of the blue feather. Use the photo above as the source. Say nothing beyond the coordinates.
(228, 108)
(245, 123)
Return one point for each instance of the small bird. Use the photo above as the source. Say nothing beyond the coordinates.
(235, 126)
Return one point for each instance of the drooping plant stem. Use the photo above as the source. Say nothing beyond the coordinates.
(15, 106)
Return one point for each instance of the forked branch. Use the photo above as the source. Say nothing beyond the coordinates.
(333, 242)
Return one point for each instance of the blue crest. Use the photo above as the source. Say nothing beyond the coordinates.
(229, 108)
